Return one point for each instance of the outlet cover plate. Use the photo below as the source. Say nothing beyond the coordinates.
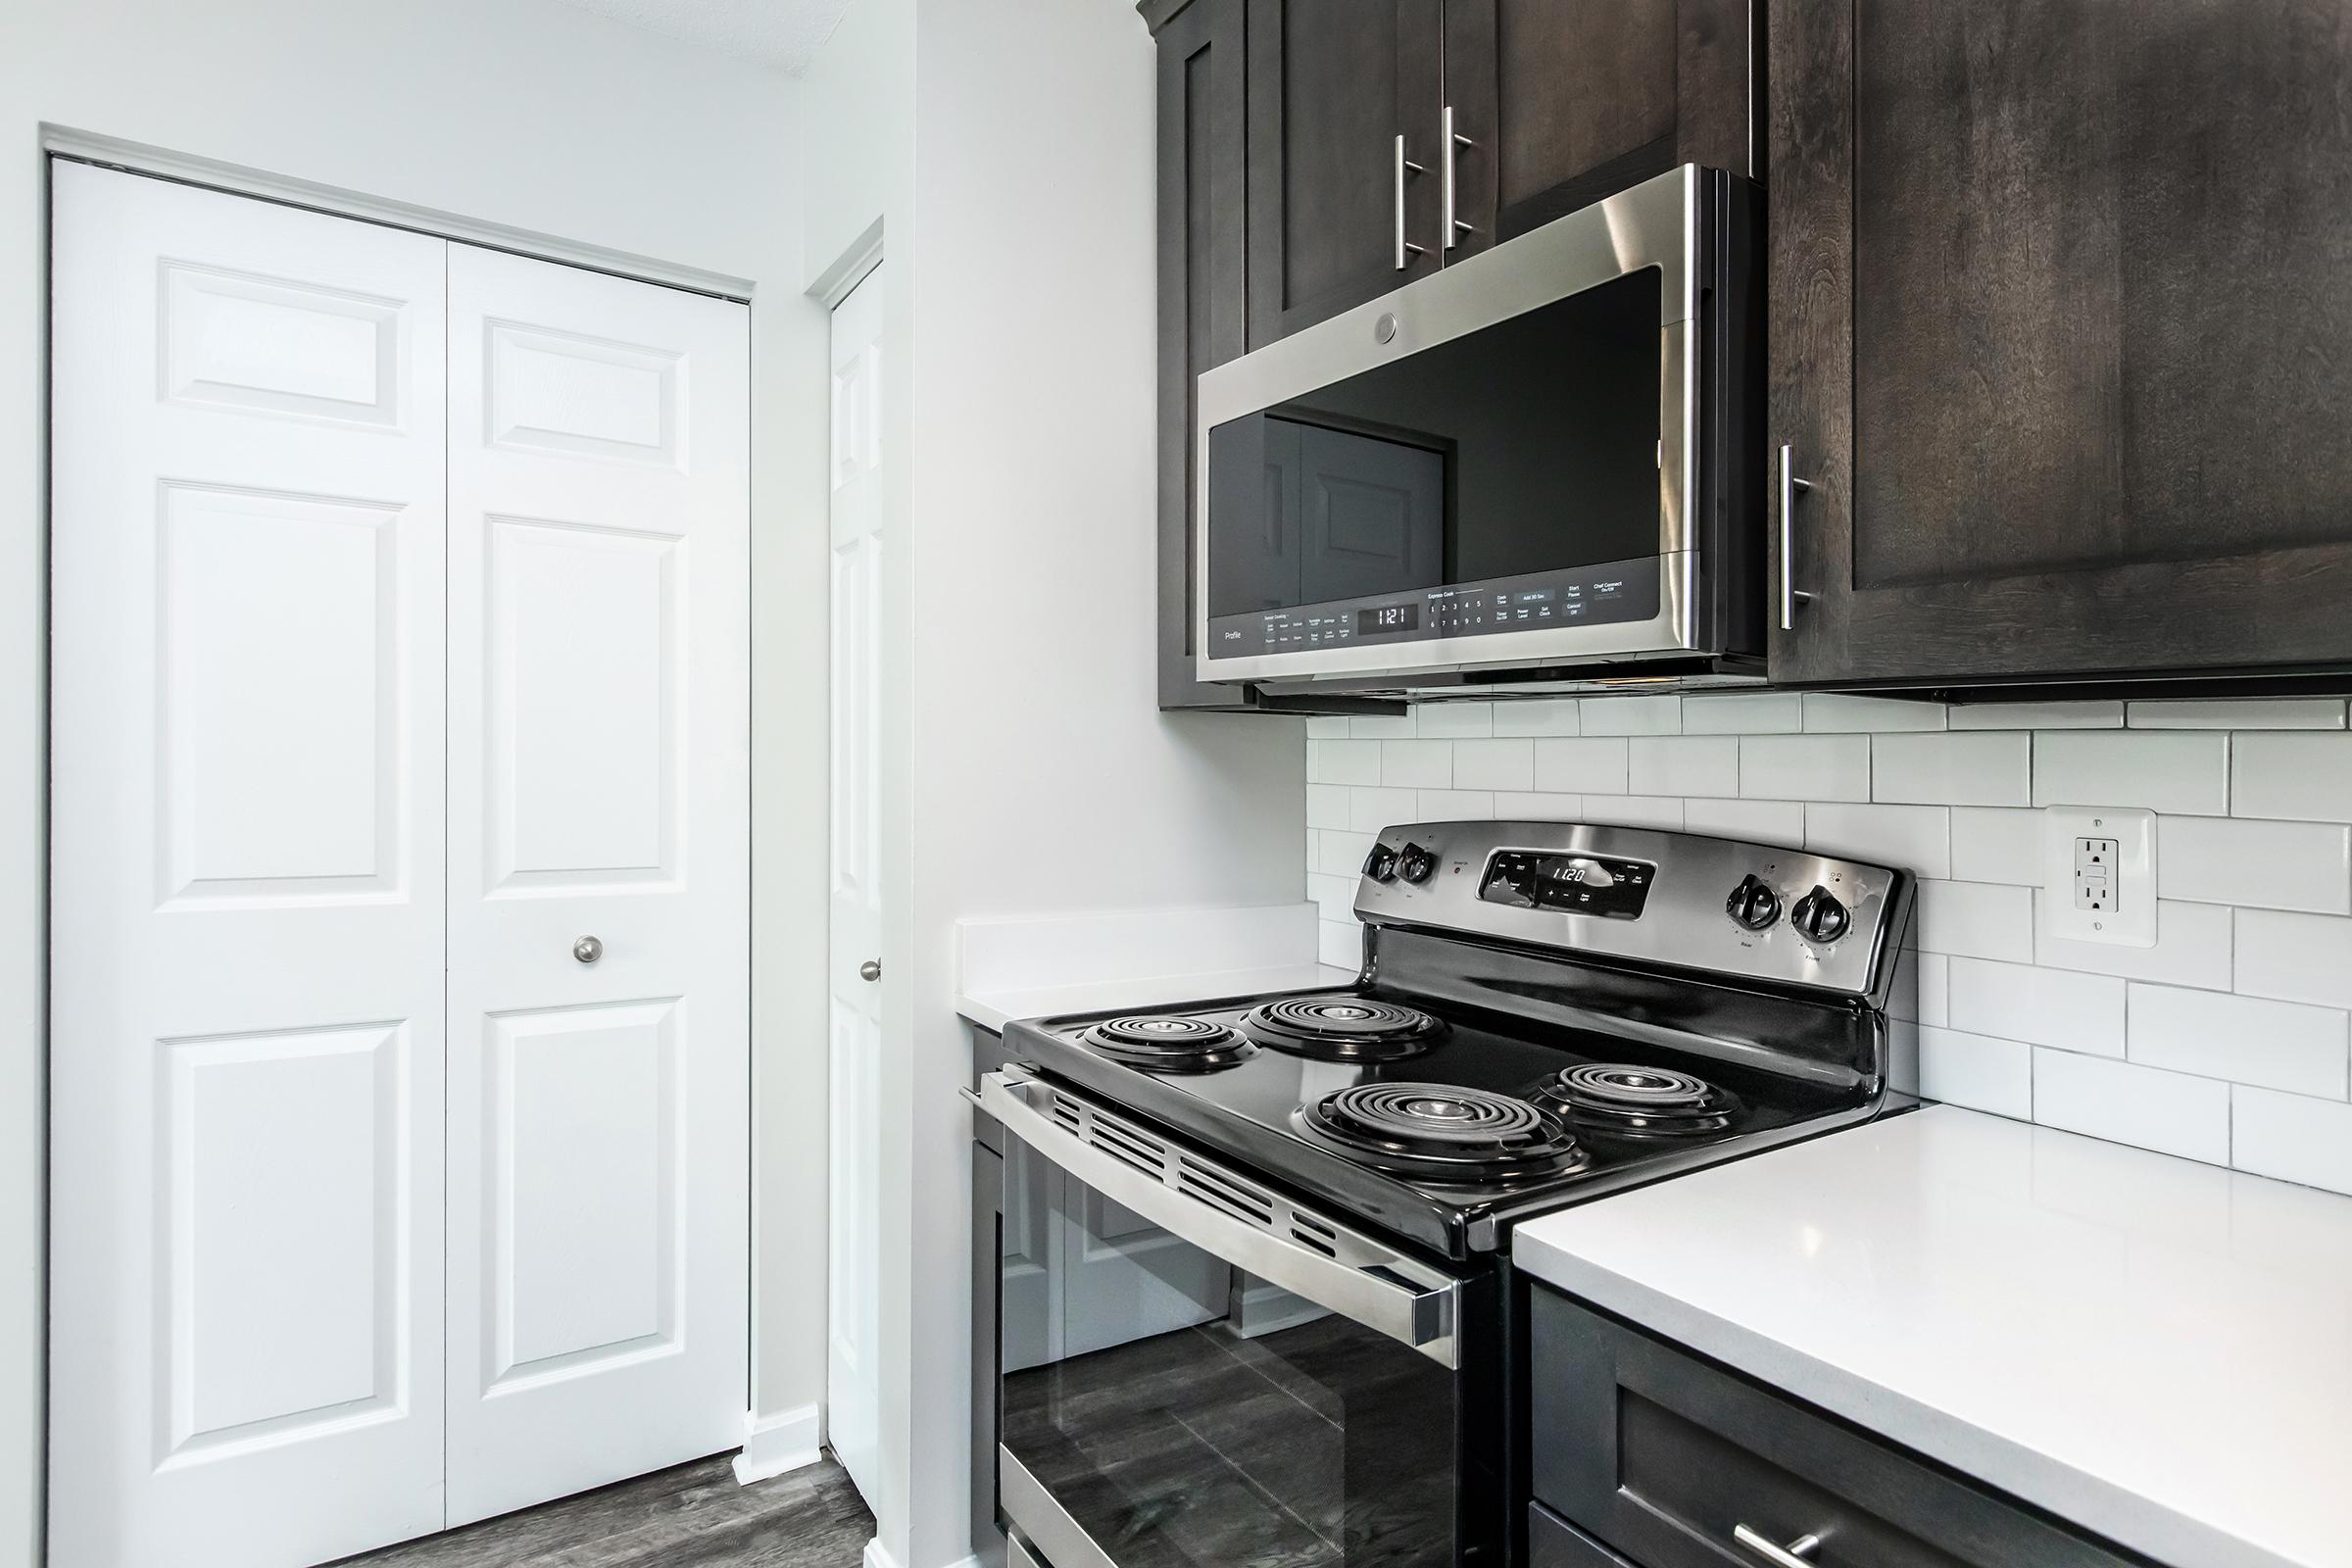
(2127, 915)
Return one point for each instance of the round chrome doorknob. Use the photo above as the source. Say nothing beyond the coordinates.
(870, 969)
(588, 949)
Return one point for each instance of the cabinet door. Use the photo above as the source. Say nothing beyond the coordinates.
(2059, 335)
(1562, 102)
(1333, 83)
(1204, 300)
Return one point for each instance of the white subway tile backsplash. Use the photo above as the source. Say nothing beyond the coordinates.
(1759, 821)
(1370, 809)
(1996, 844)
(1334, 896)
(2229, 1039)
(1342, 762)
(2272, 866)
(1417, 764)
(1633, 715)
(1590, 765)
(1516, 806)
(2295, 958)
(2276, 712)
(1507, 764)
(1835, 712)
(2193, 949)
(1912, 838)
(2163, 771)
(2298, 777)
(1635, 811)
(1446, 720)
(1976, 920)
(1982, 767)
(2038, 716)
(1538, 715)
(1973, 1070)
(1341, 944)
(1683, 764)
(1744, 713)
(1455, 805)
(2277, 1045)
(2169, 1112)
(2043, 1006)
(2292, 1136)
(1804, 767)
(1934, 988)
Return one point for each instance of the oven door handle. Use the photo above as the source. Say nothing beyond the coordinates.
(1352, 1274)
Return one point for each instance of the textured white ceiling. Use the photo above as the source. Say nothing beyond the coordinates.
(782, 33)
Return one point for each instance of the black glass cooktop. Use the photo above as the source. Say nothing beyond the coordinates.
(1439, 1122)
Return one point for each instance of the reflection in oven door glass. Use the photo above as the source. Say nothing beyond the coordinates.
(1183, 1413)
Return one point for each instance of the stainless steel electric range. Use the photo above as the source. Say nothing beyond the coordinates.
(1243, 1265)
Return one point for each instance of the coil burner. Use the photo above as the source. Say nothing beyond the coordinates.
(1160, 1044)
(1342, 1028)
(1630, 1102)
(1441, 1132)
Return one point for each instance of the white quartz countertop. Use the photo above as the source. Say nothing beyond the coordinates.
(992, 1009)
(2158, 1350)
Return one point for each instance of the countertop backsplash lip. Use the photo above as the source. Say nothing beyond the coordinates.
(2013, 1021)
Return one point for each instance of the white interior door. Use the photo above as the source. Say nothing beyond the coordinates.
(853, 1379)
(246, 881)
(599, 785)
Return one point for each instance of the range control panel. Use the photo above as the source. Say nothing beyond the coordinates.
(1580, 884)
(1582, 596)
(1680, 899)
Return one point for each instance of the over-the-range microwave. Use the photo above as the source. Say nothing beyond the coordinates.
(1539, 469)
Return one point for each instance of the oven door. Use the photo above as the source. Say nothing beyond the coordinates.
(1194, 1371)
(1536, 455)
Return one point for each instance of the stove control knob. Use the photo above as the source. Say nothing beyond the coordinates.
(1380, 864)
(1415, 863)
(1819, 917)
(1753, 904)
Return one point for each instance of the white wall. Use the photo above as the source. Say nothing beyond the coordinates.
(1039, 774)
(2225, 1041)
(517, 112)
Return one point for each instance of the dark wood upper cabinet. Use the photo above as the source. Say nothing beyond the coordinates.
(2060, 336)
(1565, 102)
(1332, 86)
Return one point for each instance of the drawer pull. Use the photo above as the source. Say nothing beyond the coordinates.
(1793, 1555)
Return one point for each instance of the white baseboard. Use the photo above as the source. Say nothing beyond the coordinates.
(876, 1557)
(775, 1443)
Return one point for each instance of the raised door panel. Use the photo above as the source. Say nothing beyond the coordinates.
(2088, 426)
(1332, 85)
(598, 891)
(246, 920)
(1562, 102)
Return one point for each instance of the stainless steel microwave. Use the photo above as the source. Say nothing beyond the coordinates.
(1539, 468)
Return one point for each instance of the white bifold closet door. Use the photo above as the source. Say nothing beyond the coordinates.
(398, 629)
(598, 777)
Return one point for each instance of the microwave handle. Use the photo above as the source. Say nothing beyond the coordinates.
(1406, 250)
(1792, 596)
(1366, 1280)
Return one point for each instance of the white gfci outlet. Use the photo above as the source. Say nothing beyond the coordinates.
(2099, 878)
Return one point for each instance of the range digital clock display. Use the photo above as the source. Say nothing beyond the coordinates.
(1388, 619)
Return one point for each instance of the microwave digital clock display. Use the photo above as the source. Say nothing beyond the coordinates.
(1388, 619)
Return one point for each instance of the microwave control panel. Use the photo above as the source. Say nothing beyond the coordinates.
(1580, 595)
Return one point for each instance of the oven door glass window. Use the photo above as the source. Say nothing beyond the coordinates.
(1183, 1414)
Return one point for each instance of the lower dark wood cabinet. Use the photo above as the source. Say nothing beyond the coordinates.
(1653, 1458)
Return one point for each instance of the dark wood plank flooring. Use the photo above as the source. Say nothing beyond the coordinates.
(693, 1516)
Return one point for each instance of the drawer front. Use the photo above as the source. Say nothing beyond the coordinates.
(1679, 1464)
(1553, 1542)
